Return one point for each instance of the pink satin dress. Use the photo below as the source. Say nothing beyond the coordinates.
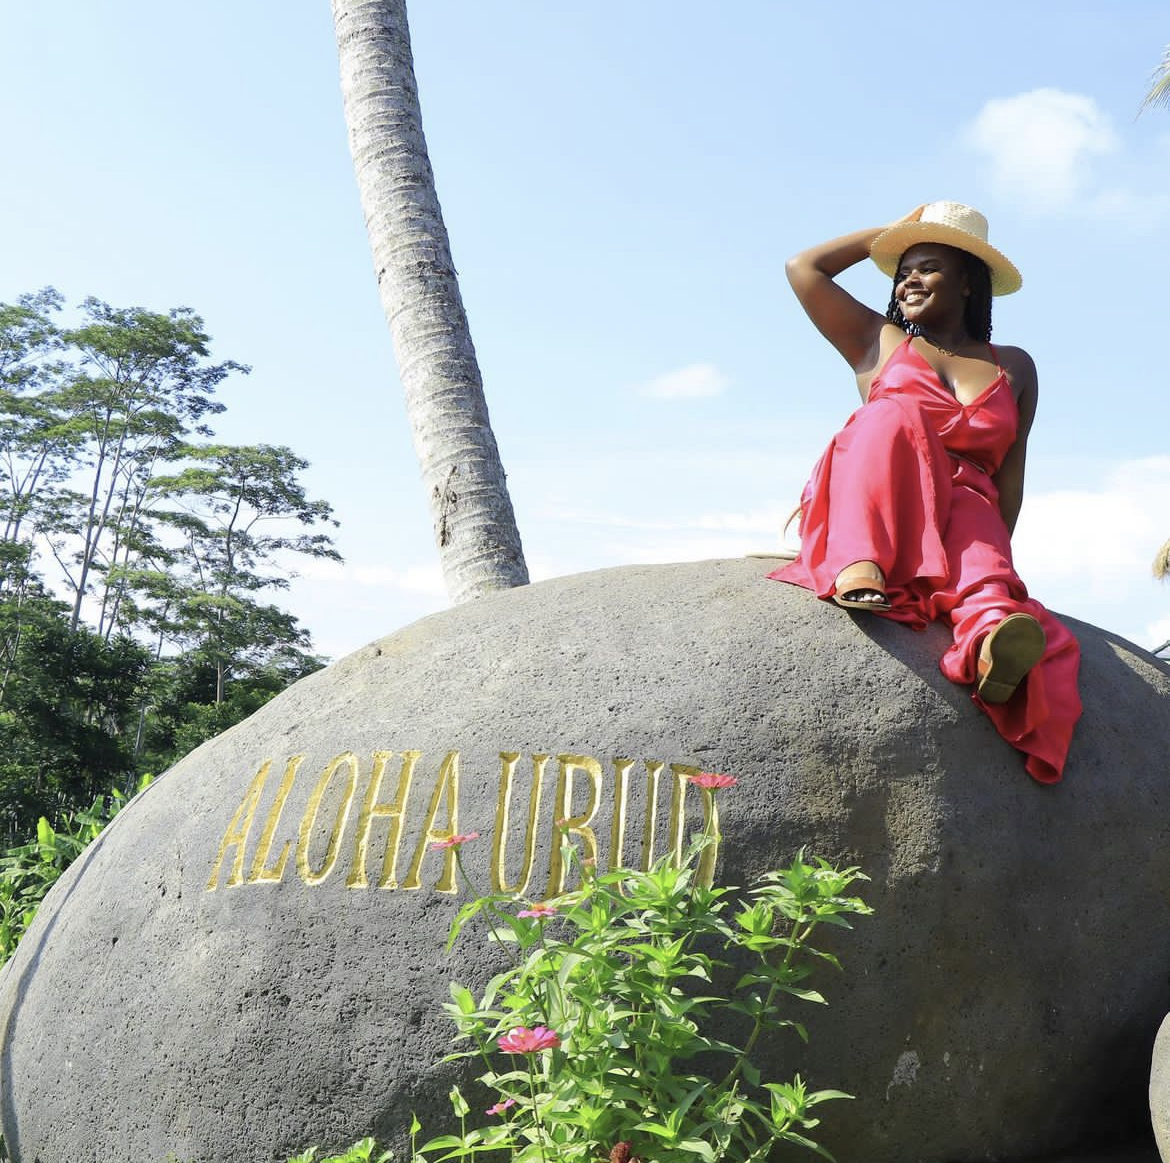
(907, 483)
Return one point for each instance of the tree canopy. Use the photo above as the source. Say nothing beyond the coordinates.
(137, 554)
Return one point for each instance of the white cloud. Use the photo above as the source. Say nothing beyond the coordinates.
(1087, 552)
(412, 579)
(1158, 633)
(1141, 211)
(690, 382)
(1098, 537)
(757, 521)
(694, 547)
(1040, 145)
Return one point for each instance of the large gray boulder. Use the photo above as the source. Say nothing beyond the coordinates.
(222, 978)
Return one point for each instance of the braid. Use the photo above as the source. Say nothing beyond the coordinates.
(894, 312)
(976, 313)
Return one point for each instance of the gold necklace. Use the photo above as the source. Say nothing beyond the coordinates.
(935, 344)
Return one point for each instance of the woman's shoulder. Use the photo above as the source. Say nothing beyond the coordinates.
(1021, 371)
(1015, 361)
(1014, 358)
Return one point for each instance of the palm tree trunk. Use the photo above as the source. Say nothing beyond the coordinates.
(475, 528)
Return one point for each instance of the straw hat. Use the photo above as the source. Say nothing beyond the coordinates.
(955, 225)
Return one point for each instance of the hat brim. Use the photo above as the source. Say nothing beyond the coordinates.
(889, 246)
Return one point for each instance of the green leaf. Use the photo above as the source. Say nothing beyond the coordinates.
(462, 997)
(45, 834)
(698, 1147)
(458, 1103)
(659, 1129)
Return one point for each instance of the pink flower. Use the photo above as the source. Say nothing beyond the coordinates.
(500, 1107)
(711, 780)
(525, 1041)
(454, 841)
(539, 911)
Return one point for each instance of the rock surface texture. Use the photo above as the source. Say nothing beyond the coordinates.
(251, 958)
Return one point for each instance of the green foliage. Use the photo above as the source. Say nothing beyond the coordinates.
(234, 514)
(164, 546)
(1159, 92)
(69, 701)
(629, 1022)
(30, 870)
(184, 709)
(645, 977)
(360, 1152)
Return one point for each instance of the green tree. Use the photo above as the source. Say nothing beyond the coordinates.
(142, 385)
(474, 525)
(67, 712)
(183, 712)
(159, 540)
(240, 514)
(35, 452)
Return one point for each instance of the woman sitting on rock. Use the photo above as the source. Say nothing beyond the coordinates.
(909, 512)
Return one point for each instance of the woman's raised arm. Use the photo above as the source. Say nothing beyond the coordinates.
(849, 325)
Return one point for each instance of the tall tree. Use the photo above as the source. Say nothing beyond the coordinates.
(156, 538)
(239, 513)
(474, 525)
(36, 450)
(141, 387)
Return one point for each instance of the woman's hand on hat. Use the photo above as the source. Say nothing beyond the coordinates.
(915, 215)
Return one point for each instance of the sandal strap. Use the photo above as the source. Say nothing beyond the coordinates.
(860, 577)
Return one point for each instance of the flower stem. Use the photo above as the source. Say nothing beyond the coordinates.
(798, 939)
(535, 1109)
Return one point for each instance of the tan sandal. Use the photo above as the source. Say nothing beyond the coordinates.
(861, 577)
(1006, 656)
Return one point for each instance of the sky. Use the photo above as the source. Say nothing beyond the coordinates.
(622, 181)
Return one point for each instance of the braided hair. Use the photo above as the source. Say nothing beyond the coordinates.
(977, 310)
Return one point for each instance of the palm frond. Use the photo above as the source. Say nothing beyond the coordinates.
(1162, 561)
(1159, 93)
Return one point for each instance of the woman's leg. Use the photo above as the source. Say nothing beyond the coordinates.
(984, 590)
(875, 502)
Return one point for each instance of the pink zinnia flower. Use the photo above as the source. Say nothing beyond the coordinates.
(711, 780)
(539, 911)
(500, 1107)
(525, 1041)
(454, 841)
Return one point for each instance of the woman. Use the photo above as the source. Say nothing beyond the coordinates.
(910, 511)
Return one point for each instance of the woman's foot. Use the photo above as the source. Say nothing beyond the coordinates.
(861, 586)
(1006, 656)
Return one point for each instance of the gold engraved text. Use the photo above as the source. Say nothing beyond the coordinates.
(384, 825)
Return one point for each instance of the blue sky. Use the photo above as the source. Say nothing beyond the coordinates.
(622, 181)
